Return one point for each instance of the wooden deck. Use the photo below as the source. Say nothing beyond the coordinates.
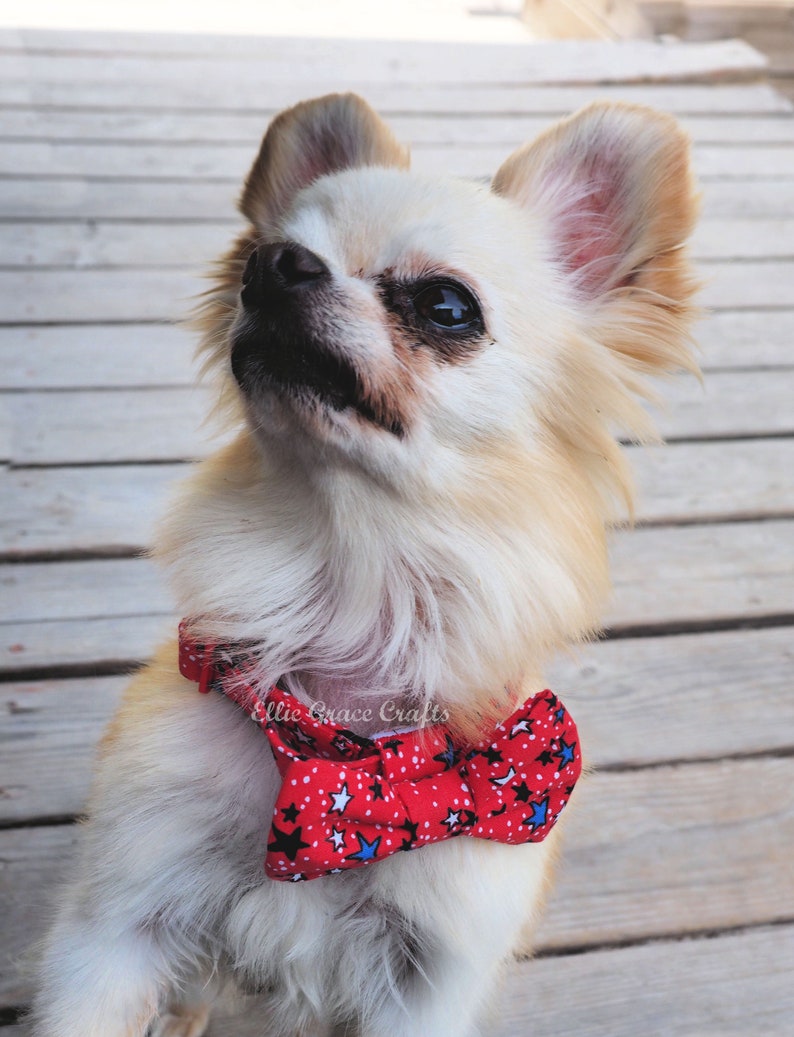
(121, 158)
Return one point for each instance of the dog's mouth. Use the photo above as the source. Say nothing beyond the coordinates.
(287, 342)
(304, 373)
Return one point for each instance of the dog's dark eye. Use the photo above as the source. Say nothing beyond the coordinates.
(447, 306)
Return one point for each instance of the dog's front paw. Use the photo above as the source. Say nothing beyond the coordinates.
(189, 1021)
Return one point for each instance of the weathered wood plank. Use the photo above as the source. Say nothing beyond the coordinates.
(749, 285)
(246, 128)
(230, 162)
(730, 986)
(744, 239)
(168, 424)
(57, 296)
(45, 770)
(97, 612)
(378, 61)
(649, 853)
(150, 294)
(711, 573)
(725, 405)
(754, 338)
(199, 201)
(111, 509)
(111, 425)
(241, 94)
(138, 355)
(98, 356)
(92, 645)
(189, 246)
(757, 199)
(72, 590)
(639, 702)
(96, 509)
(708, 876)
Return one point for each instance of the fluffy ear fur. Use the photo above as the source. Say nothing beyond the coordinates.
(615, 186)
(326, 135)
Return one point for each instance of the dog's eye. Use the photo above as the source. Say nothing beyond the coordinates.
(447, 306)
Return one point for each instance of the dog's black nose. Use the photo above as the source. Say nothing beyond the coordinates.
(278, 269)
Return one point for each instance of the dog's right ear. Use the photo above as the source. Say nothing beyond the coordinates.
(326, 135)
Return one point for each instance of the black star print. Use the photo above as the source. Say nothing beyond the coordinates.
(522, 792)
(545, 758)
(551, 701)
(470, 818)
(448, 756)
(289, 845)
(290, 813)
(501, 810)
(412, 829)
(393, 744)
(569, 789)
(376, 789)
(492, 755)
(300, 736)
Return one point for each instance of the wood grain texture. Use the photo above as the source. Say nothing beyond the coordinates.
(96, 356)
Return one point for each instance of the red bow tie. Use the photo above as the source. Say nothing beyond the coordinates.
(347, 801)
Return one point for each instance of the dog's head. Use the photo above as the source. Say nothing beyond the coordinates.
(472, 348)
(410, 323)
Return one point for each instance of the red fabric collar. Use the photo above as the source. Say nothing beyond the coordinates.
(347, 801)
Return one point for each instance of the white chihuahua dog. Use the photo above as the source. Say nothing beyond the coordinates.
(428, 375)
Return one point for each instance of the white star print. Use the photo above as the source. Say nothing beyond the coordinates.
(341, 799)
(452, 818)
(338, 839)
(522, 725)
(505, 777)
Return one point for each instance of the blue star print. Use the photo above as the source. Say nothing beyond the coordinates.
(367, 851)
(565, 752)
(539, 813)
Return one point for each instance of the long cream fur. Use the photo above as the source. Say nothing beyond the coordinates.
(444, 567)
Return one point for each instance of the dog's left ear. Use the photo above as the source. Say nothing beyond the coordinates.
(614, 187)
(326, 135)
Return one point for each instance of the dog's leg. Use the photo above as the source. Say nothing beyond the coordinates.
(187, 1012)
(98, 981)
